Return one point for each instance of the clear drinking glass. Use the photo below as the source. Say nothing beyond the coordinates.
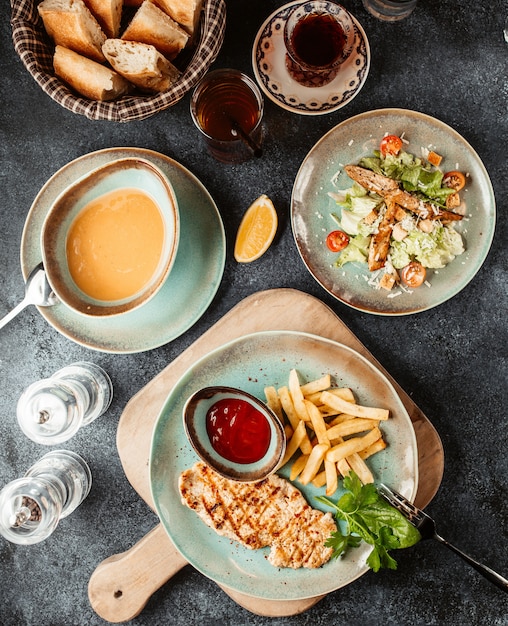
(227, 108)
(32, 506)
(390, 10)
(52, 410)
(319, 37)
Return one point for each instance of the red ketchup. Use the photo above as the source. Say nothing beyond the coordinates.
(237, 430)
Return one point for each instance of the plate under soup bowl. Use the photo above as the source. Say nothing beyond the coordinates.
(234, 432)
(109, 240)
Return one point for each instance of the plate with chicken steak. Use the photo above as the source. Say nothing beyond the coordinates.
(222, 527)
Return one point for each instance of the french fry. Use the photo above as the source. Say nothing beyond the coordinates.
(343, 467)
(295, 442)
(273, 402)
(297, 395)
(315, 386)
(313, 463)
(318, 423)
(342, 392)
(350, 446)
(319, 479)
(351, 427)
(360, 468)
(338, 419)
(298, 466)
(357, 410)
(377, 446)
(335, 434)
(288, 407)
(332, 481)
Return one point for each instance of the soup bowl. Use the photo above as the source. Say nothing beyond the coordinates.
(235, 433)
(110, 239)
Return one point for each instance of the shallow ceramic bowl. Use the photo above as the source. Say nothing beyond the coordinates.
(194, 420)
(133, 173)
(36, 49)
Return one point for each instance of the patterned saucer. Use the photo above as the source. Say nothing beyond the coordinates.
(268, 60)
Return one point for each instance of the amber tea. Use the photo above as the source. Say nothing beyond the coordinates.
(318, 40)
(319, 37)
(224, 106)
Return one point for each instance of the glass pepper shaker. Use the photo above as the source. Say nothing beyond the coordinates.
(52, 410)
(32, 506)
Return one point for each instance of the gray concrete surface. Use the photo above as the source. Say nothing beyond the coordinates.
(448, 60)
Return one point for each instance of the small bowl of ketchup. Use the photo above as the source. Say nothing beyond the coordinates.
(234, 433)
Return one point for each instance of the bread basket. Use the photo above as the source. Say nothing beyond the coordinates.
(36, 52)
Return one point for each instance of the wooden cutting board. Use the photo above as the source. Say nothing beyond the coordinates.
(121, 585)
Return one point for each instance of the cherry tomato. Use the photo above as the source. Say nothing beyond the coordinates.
(337, 240)
(391, 144)
(413, 274)
(454, 180)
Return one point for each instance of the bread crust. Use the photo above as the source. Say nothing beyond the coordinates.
(108, 13)
(71, 24)
(87, 77)
(185, 12)
(152, 26)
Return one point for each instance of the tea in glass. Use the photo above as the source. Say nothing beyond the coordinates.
(319, 38)
(227, 107)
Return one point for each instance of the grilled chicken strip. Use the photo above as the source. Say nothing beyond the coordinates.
(385, 186)
(271, 512)
(425, 210)
(380, 240)
(371, 180)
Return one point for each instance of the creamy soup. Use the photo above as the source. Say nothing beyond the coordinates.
(115, 243)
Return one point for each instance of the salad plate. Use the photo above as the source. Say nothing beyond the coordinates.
(268, 61)
(189, 288)
(251, 363)
(313, 209)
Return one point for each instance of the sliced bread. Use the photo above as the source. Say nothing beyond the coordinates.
(71, 24)
(185, 12)
(152, 26)
(140, 63)
(87, 77)
(108, 13)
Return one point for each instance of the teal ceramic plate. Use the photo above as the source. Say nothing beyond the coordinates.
(322, 172)
(190, 287)
(251, 363)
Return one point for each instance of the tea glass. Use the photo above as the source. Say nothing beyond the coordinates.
(227, 108)
(319, 37)
(390, 10)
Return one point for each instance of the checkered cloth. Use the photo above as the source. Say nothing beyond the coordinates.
(36, 52)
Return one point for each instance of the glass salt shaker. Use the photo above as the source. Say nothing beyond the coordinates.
(52, 410)
(32, 506)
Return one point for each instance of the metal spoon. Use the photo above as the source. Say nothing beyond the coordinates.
(37, 291)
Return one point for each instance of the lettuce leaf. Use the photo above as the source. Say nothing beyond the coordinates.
(433, 250)
(356, 251)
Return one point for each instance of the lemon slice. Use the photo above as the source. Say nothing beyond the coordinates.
(256, 231)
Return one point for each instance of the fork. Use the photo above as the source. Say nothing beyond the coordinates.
(427, 527)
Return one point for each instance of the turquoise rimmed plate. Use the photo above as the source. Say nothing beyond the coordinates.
(186, 294)
(251, 363)
(322, 171)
